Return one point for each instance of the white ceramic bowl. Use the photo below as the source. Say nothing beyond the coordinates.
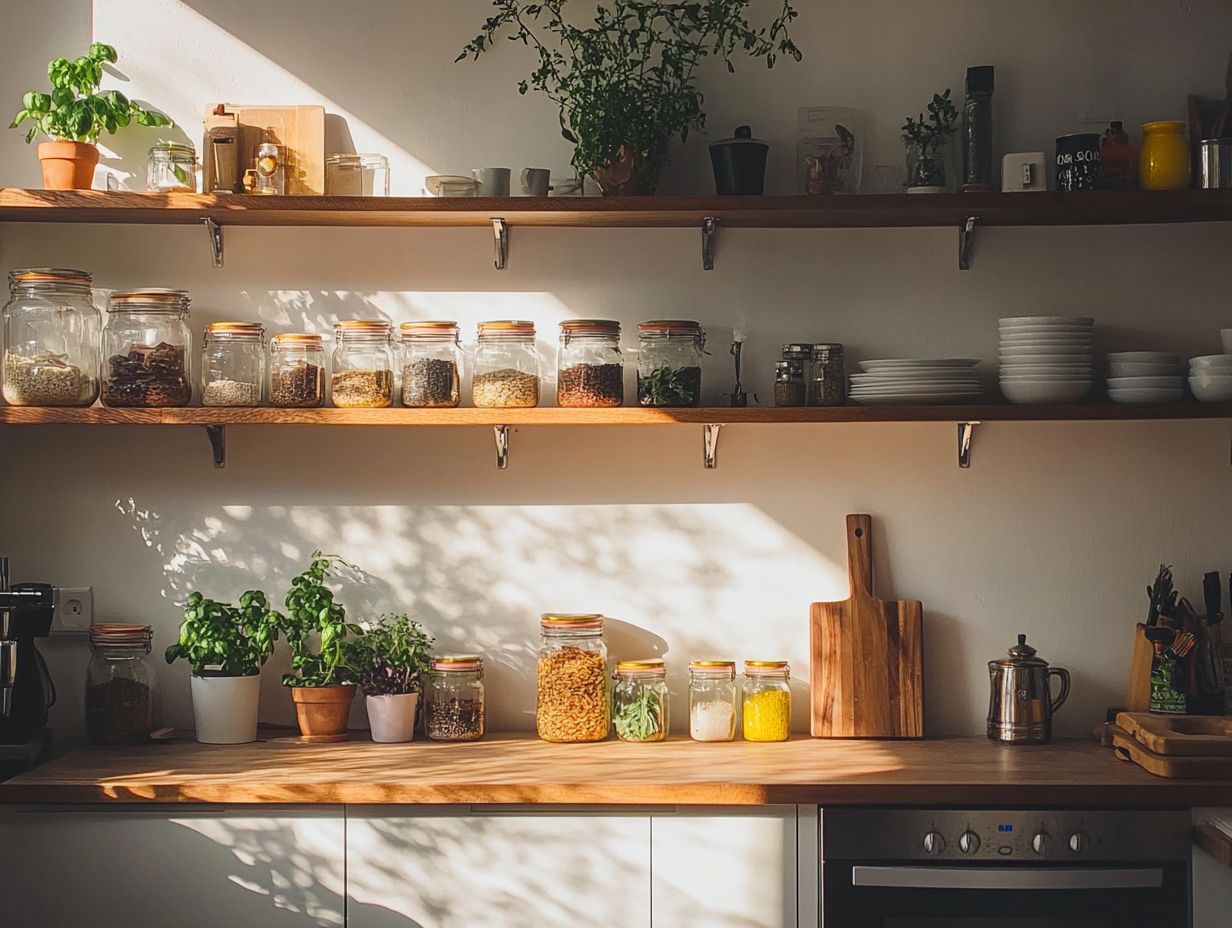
(1211, 389)
(1046, 320)
(1225, 337)
(1211, 362)
(1044, 391)
(1147, 395)
(1142, 369)
(1148, 357)
(1129, 383)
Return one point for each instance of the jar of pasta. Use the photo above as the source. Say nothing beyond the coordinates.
(571, 683)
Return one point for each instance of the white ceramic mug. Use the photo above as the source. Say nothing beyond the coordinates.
(493, 182)
(535, 182)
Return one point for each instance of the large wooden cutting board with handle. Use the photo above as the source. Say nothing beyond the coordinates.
(299, 129)
(866, 655)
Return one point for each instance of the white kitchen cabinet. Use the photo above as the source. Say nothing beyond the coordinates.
(115, 867)
(1212, 883)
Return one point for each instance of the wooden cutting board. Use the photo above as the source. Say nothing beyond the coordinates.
(1179, 735)
(866, 655)
(1128, 748)
(301, 129)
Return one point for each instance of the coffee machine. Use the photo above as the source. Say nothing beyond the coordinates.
(26, 690)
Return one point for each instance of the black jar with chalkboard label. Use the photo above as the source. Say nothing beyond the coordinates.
(1078, 162)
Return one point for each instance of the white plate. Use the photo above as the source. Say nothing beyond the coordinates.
(1043, 351)
(1051, 378)
(1046, 320)
(1146, 395)
(877, 394)
(1057, 329)
(917, 388)
(1083, 343)
(1147, 357)
(886, 364)
(1142, 369)
(1129, 383)
(929, 373)
(1021, 366)
(1043, 391)
(910, 399)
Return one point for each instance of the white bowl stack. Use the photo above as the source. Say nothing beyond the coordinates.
(1210, 377)
(1046, 359)
(1145, 377)
(925, 381)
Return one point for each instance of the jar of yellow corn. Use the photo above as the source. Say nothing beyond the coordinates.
(767, 701)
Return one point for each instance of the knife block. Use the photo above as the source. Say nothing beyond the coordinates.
(1138, 692)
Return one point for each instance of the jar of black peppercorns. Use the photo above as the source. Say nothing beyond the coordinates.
(146, 342)
(454, 698)
(827, 376)
(431, 364)
(591, 369)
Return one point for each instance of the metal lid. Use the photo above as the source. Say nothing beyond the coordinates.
(662, 328)
(820, 349)
(235, 329)
(174, 148)
(797, 351)
(296, 338)
(765, 667)
(566, 620)
(1021, 655)
(712, 668)
(506, 328)
(576, 327)
(362, 328)
(459, 663)
(122, 637)
(34, 276)
(430, 329)
(149, 299)
(653, 666)
(743, 136)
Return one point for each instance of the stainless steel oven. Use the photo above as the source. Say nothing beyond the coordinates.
(911, 868)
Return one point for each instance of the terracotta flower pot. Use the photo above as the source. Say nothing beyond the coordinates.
(322, 711)
(67, 165)
(623, 176)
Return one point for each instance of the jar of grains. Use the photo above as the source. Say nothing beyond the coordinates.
(431, 364)
(669, 363)
(767, 701)
(362, 373)
(232, 364)
(454, 696)
(791, 376)
(119, 685)
(591, 369)
(147, 344)
(827, 376)
(572, 694)
(297, 371)
(51, 339)
(712, 700)
(640, 701)
(506, 365)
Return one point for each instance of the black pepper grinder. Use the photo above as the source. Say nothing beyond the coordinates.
(977, 131)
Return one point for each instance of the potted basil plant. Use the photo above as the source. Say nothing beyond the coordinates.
(391, 658)
(226, 647)
(926, 139)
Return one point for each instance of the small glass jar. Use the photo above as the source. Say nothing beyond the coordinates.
(669, 363)
(591, 369)
(712, 700)
(454, 697)
(51, 339)
(120, 685)
(147, 344)
(364, 175)
(232, 364)
(571, 702)
(362, 373)
(767, 701)
(171, 166)
(1164, 163)
(297, 371)
(431, 364)
(506, 365)
(640, 701)
(827, 376)
(791, 376)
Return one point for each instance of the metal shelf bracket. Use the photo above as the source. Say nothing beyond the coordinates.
(214, 230)
(500, 238)
(710, 235)
(966, 237)
(218, 442)
(710, 445)
(501, 433)
(966, 432)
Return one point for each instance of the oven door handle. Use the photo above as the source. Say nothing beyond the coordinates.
(1007, 878)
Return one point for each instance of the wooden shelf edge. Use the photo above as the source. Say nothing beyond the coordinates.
(1214, 842)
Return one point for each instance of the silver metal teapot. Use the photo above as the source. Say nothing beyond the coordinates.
(1020, 704)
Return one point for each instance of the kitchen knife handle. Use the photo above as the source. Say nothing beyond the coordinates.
(860, 553)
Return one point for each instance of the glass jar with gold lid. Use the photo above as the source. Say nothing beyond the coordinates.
(640, 700)
(51, 338)
(147, 342)
(233, 364)
(431, 364)
(669, 363)
(571, 681)
(590, 369)
(506, 365)
(362, 374)
(713, 697)
(454, 697)
(767, 701)
(297, 371)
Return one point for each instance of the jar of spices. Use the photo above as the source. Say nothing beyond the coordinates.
(171, 166)
(669, 363)
(640, 700)
(1164, 162)
(767, 701)
(712, 700)
(827, 375)
(591, 369)
(791, 376)
(571, 702)
(120, 684)
(362, 373)
(431, 364)
(297, 371)
(51, 338)
(147, 343)
(506, 365)
(233, 364)
(454, 696)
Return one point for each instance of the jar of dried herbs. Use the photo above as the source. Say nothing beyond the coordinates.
(147, 343)
(431, 364)
(827, 375)
(571, 702)
(669, 363)
(454, 698)
(591, 370)
(362, 373)
(297, 371)
(51, 338)
(233, 364)
(119, 684)
(640, 700)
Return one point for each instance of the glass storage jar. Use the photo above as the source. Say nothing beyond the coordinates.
(297, 371)
(669, 363)
(640, 701)
(362, 374)
(171, 166)
(712, 700)
(571, 702)
(591, 368)
(51, 339)
(147, 343)
(767, 701)
(506, 365)
(431, 364)
(1164, 161)
(827, 376)
(120, 684)
(232, 364)
(364, 175)
(454, 696)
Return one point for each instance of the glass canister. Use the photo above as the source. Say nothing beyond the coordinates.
(640, 700)
(431, 364)
(767, 701)
(232, 364)
(362, 373)
(454, 696)
(297, 371)
(147, 343)
(1164, 161)
(120, 684)
(51, 338)
(591, 370)
(364, 175)
(571, 702)
(791, 376)
(669, 363)
(171, 166)
(827, 375)
(712, 700)
(506, 365)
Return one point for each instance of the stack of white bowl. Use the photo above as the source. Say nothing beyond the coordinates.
(1210, 377)
(916, 380)
(1046, 359)
(1145, 377)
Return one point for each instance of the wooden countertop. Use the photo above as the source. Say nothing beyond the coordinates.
(519, 769)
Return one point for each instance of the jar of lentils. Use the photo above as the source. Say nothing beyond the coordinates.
(297, 371)
(640, 701)
(431, 364)
(233, 364)
(669, 363)
(51, 336)
(362, 373)
(712, 700)
(827, 375)
(120, 684)
(767, 701)
(506, 365)
(454, 697)
(147, 342)
(571, 702)
(591, 369)
(791, 376)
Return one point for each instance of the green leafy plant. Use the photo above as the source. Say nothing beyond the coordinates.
(669, 386)
(74, 111)
(391, 656)
(219, 638)
(316, 628)
(628, 78)
(929, 133)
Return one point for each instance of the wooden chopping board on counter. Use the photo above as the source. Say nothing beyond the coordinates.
(1129, 748)
(866, 655)
(1179, 735)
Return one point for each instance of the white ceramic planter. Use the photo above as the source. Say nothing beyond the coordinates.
(392, 718)
(225, 708)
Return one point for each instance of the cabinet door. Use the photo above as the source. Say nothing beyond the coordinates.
(446, 869)
(116, 868)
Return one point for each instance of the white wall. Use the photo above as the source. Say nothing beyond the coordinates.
(1054, 531)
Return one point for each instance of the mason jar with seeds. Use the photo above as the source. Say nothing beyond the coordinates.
(454, 698)
(147, 342)
(431, 364)
(51, 339)
(591, 370)
(362, 374)
(572, 700)
(297, 371)
(506, 365)
(233, 364)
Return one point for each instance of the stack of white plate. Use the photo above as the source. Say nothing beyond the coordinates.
(1046, 359)
(916, 380)
(1145, 377)
(1210, 377)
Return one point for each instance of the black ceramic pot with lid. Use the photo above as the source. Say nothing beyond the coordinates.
(739, 164)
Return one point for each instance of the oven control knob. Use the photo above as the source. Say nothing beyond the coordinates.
(968, 842)
(934, 843)
(1041, 842)
(1078, 842)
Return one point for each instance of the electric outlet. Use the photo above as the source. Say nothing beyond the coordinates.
(74, 609)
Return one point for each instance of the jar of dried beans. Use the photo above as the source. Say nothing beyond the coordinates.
(591, 369)
(712, 700)
(571, 682)
(119, 685)
(506, 365)
(767, 701)
(431, 364)
(454, 697)
(232, 364)
(827, 376)
(640, 701)
(362, 373)
(297, 371)
(147, 343)
(51, 330)
(669, 363)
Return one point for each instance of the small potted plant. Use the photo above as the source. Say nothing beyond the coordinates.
(926, 139)
(226, 646)
(390, 658)
(73, 115)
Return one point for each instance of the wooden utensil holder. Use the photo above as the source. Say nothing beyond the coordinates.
(1138, 691)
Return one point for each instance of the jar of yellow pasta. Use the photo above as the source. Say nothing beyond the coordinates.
(767, 701)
